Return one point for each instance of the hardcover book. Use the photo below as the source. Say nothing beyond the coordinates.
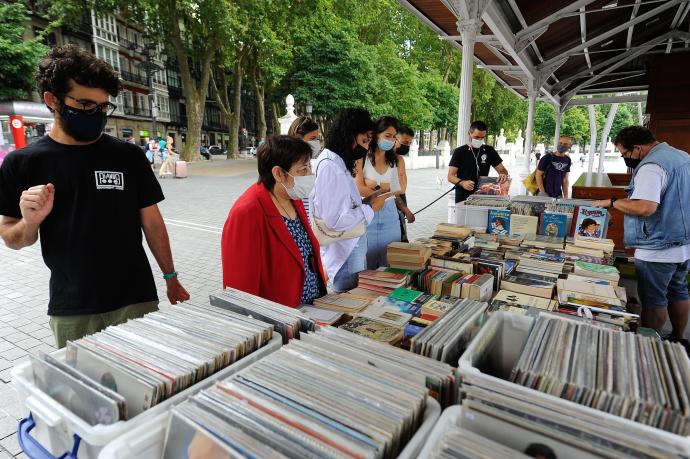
(499, 222)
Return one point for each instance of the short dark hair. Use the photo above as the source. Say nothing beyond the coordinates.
(381, 125)
(634, 135)
(302, 126)
(347, 124)
(282, 151)
(478, 126)
(405, 130)
(70, 62)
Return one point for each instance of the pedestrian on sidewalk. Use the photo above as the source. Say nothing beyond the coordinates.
(657, 226)
(553, 170)
(403, 140)
(306, 129)
(377, 174)
(268, 247)
(88, 207)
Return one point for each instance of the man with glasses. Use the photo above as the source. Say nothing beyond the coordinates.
(553, 170)
(88, 195)
(657, 226)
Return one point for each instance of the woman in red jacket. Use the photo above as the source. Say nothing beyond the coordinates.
(267, 247)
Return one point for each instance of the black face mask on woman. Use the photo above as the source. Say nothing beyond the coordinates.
(81, 125)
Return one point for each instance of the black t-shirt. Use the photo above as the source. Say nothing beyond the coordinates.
(473, 163)
(92, 239)
(555, 168)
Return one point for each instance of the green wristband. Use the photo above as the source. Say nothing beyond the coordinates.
(170, 276)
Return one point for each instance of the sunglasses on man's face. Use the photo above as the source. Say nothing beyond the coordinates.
(89, 107)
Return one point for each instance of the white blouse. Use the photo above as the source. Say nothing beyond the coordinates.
(336, 200)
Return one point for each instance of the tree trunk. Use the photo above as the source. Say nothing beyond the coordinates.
(194, 94)
(276, 123)
(233, 150)
(260, 108)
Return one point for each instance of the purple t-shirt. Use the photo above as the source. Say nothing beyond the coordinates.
(555, 168)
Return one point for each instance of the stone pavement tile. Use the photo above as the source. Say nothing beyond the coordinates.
(13, 354)
(5, 346)
(30, 328)
(16, 336)
(27, 343)
(41, 333)
(43, 347)
(5, 454)
(6, 375)
(18, 322)
(11, 444)
(10, 403)
(21, 456)
(5, 364)
(8, 426)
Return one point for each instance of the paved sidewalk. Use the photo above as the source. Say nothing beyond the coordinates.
(195, 210)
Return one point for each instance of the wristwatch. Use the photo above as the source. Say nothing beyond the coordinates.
(612, 201)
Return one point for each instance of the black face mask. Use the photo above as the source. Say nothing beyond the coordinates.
(359, 152)
(632, 163)
(80, 125)
(403, 150)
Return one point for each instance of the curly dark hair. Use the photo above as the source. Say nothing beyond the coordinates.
(634, 135)
(69, 62)
(282, 151)
(341, 136)
(382, 124)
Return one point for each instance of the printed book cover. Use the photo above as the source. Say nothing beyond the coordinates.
(491, 186)
(553, 224)
(499, 222)
(591, 222)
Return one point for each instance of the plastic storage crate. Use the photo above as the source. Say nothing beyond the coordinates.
(50, 430)
(496, 348)
(497, 430)
(148, 441)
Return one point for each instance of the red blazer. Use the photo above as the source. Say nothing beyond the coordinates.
(258, 252)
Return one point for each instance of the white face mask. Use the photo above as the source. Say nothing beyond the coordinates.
(477, 143)
(315, 147)
(302, 187)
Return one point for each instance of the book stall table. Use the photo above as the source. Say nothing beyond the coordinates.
(50, 429)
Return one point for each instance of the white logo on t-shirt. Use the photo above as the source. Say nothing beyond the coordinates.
(107, 180)
(483, 159)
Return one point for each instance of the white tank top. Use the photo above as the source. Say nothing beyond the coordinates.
(370, 172)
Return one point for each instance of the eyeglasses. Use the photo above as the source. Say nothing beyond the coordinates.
(89, 106)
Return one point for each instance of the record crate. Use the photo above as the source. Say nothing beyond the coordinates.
(50, 430)
(487, 364)
(149, 440)
(496, 430)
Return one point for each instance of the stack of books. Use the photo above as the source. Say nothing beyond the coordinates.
(542, 262)
(341, 303)
(452, 231)
(438, 247)
(530, 284)
(405, 255)
(519, 303)
(544, 242)
(380, 281)
(597, 271)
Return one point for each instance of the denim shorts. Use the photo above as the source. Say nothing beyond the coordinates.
(659, 284)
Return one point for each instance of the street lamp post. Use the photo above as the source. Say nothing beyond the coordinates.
(151, 68)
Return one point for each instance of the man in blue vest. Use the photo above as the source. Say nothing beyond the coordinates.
(657, 226)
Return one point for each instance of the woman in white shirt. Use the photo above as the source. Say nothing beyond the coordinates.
(335, 199)
(378, 173)
(306, 129)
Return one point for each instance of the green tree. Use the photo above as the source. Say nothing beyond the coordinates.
(18, 56)
(575, 124)
(625, 116)
(335, 71)
(544, 122)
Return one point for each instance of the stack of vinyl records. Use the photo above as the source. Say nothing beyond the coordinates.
(126, 369)
(445, 339)
(437, 377)
(289, 322)
(492, 201)
(462, 443)
(628, 387)
(631, 376)
(301, 401)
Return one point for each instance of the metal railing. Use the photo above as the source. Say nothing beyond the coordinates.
(137, 111)
(133, 77)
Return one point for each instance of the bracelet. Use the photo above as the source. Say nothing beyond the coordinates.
(170, 276)
(613, 200)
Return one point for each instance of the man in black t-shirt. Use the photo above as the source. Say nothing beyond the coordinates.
(474, 160)
(554, 169)
(89, 196)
